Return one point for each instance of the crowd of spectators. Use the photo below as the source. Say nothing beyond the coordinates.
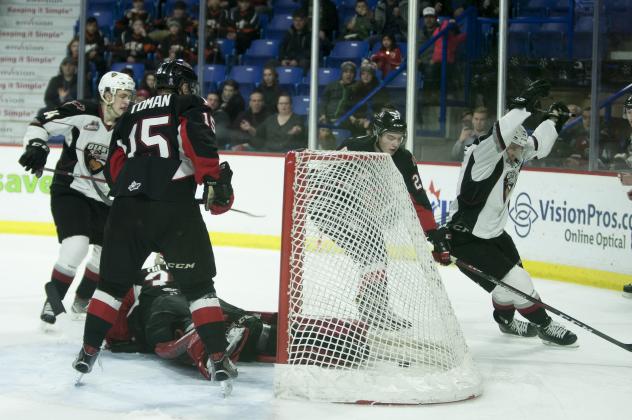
(266, 122)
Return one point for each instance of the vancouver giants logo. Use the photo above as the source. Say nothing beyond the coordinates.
(94, 156)
(440, 208)
(523, 214)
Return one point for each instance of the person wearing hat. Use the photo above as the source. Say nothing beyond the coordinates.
(63, 87)
(336, 99)
(296, 44)
(361, 119)
(179, 15)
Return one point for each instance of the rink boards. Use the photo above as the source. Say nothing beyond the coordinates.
(567, 226)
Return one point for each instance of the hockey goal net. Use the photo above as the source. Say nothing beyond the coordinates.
(363, 314)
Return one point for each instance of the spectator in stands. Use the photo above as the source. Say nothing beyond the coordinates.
(623, 159)
(63, 87)
(231, 102)
(270, 86)
(133, 46)
(282, 131)
(243, 25)
(472, 130)
(361, 119)
(141, 95)
(336, 99)
(95, 45)
(137, 12)
(388, 19)
(295, 46)
(328, 22)
(432, 58)
(362, 24)
(179, 15)
(220, 118)
(72, 50)
(176, 44)
(245, 125)
(326, 139)
(216, 20)
(389, 57)
(488, 8)
(149, 83)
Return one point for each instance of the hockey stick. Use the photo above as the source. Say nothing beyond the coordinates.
(244, 212)
(91, 178)
(60, 172)
(474, 270)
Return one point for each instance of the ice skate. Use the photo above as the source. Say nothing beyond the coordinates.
(223, 371)
(554, 333)
(516, 327)
(79, 306)
(48, 315)
(84, 361)
(627, 291)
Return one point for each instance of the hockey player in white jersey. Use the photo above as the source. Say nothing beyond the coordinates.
(79, 205)
(478, 216)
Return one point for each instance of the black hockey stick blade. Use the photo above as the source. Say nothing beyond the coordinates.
(465, 266)
(54, 299)
(244, 212)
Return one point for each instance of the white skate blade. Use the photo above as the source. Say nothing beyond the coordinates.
(559, 346)
(78, 380)
(227, 387)
(49, 328)
(75, 316)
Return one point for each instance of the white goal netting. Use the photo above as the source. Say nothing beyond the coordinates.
(363, 316)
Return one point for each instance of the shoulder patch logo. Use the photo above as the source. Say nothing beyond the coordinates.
(134, 186)
(92, 126)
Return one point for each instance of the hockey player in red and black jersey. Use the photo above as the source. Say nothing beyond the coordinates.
(389, 133)
(79, 205)
(478, 216)
(161, 149)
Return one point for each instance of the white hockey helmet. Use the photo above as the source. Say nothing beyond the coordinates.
(113, 81)
(519, 137)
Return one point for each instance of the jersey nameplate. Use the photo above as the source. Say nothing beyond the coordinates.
(153, 102)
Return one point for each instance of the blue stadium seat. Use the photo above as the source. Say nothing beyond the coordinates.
(278, 26)
(300, 104)
(285, 6)
(227, 47)
(341, 135)
(548, 44)
(246, 76)
(347, 51)
(518, 40)
(584, 24)
(325, 77)
(289, 78)
(537, 8)
(137, 68)
(104, 17)
(214, 75)
(260, 52)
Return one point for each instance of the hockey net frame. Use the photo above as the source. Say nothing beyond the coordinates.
(327, 351)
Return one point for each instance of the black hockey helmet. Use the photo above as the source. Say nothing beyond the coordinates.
(628, 103)
(172, 74)
(388, 120)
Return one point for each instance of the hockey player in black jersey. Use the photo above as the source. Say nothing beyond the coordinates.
(79, 206)
(478, 215)
(161, 149)
(389, 133)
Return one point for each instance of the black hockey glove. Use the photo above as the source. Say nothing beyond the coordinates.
(440, 239)
(218, 193)
(559, 114)
(530, 97)
(34, 157)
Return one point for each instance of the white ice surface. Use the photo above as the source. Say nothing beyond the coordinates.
(524, 379)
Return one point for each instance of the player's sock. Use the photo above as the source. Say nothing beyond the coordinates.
(208, 319)
(61, 279)
(85, 290)
(102, 313)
